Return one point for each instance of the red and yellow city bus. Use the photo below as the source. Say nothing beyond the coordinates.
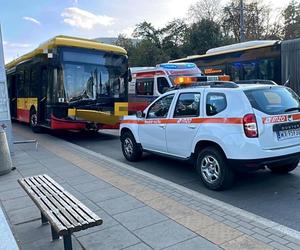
(69, 83)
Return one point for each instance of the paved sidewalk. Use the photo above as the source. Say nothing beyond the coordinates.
(7, 238)
(139, 211)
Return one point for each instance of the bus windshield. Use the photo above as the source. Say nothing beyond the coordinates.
(92, 75)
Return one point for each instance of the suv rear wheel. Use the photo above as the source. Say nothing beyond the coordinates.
(212, 167)
(130, 148)
(284, 169)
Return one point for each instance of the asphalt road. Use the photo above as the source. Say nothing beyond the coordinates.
(275, 197)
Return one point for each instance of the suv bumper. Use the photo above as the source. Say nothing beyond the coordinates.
(255, 164)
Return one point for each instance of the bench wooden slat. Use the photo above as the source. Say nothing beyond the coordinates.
(59, 205)
(66, 214)
(59, 214)
(68, 202)
(62, 210)
(83, 215)
(86, 210)
(68, 211)
(59, 227)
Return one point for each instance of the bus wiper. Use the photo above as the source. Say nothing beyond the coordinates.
(292, 109)
(76, 98)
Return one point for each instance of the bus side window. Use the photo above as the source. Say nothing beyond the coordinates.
(249, 70)
(144, 86)
(44, 83)
(33, 91)
(20, 84)
(162, 84)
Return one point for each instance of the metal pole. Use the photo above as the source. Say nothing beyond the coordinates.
(242, 24)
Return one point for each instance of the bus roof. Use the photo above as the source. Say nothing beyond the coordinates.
(231, 48)
(69, 42)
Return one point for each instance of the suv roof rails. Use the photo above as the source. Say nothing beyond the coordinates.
(256, 81)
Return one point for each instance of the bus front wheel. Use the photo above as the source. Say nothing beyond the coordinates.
(34, 121)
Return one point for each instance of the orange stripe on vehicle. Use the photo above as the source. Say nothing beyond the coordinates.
(280, 118)
(231, 120)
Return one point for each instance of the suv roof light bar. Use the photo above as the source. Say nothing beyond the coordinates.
(212, 84)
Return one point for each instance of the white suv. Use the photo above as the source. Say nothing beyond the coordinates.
(223, 127)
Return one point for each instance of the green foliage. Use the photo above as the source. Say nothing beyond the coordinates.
(146, 53)
(212, 26)
(204, 35)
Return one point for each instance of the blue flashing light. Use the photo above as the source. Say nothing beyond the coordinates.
(191, 65)
(177, 65)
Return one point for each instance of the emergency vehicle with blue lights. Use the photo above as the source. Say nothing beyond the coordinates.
(150, 82)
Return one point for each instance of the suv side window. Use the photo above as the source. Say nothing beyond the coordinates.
(162, 84)
(187, 105)
(160, 108)
(144, 86)
(215, 103)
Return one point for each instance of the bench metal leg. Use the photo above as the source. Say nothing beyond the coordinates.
(44, 219)
(68, 242)
(55, 236)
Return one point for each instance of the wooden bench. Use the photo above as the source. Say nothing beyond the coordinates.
(62, 210)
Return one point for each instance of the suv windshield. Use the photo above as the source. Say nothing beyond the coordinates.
(89, 76)
(274, 100)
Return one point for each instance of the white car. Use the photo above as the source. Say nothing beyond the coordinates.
(222, 127)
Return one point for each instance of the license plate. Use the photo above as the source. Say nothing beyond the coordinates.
(288, 134)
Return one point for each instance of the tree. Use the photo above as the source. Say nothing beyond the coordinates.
(257, 21)
(292, 20)
(173, 38)
(126, 43)
(147, 31)
(206, 9)
(146, 53)
(204, 35)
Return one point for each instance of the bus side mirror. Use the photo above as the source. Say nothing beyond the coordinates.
(140, 114)
(129, 75)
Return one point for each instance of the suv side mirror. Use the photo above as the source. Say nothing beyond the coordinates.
(140, 114)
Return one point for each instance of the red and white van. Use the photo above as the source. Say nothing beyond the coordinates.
(150, 82)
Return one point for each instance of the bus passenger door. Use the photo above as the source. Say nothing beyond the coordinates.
(42, 105)
(13, 95)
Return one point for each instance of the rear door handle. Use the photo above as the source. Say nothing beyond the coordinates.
(192, 126)
(163, 126)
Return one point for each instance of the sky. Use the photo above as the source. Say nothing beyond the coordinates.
(27, 23)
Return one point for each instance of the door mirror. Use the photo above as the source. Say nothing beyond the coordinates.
(129, 76)
(140, 114)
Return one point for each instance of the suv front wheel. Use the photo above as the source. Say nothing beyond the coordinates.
(212, 167)
(284, 169)
(130, 148)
